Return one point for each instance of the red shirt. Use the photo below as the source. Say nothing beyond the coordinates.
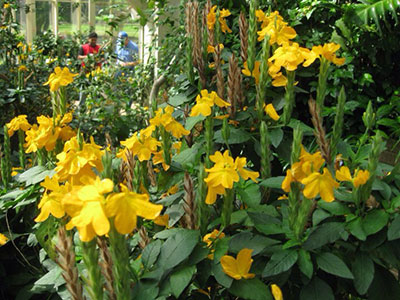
(88, 49)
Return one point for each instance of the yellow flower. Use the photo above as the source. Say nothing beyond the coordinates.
(240, 163)
(20, 44)
(6, 5)
(270, 110)
(75, 163)
(142, 146)
(327, 51)
(238, 268)
(126, 206)
(163, 117)
(60, 78)
(19, 122)
(212, 193)
(289, 56)
(210, 238)
(322, 184)
(14, 170)
(360, 178)
(172, 190)
(211, 17)
(91, 218)
(51, 203)
(211, 49)
(276, 292)
(256, 71)
(222, 15)
(224, 172)
(22, 68)
(162, 220)
(45, 135)
(205, 101)
(275, 27)
(3, 239)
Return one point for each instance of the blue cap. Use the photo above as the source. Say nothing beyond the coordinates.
(122, 35)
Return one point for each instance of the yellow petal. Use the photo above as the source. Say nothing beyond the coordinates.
(229, 266)
(270, 110)
(276, 292)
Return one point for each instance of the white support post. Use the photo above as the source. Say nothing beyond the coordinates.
(54, 16)
(92, 14)
(76, 14)
(30, 21)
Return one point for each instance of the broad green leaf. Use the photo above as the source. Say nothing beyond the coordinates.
(220, 276)
(150, 253)
(35, 175)
(180, 279)
(280, 262)
(363, 270)
(178, 100)
(355, 227)
(163, 235)
(317, 289)
(384, 286)
(273, 182)
(394, 229)
(265, 223)
(252, 241)
(192, 121)
(250, 289)
(177, 248)
(319, 215)
(324, 234)
(187, 156)
(305, 264)
(374, 221)
(145, 290)
(236, 136)
(251, 195)
(332, 264)
(221, 247)
(335, 208)
(276, 136)
(200, 252)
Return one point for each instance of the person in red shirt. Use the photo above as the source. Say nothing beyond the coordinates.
(90, 48)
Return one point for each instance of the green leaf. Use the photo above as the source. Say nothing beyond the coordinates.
(192, 121)
(266, 223)
(150, 253)
(180, 279)
(374, 221)
(317, 289)
(332, 264)
(363, 270)
(273, 182)
(280, 262)
(335, 208)
(355, 227)
(251, 195)
(394, 229)
(35, 175)
(187, 156)
(178, 100)
(220, 276)
(319, 215)
(252, 241)
(324, 234)
(384, 286)
(236, 136)
(276, 136)
(163, 235)
(221, 247)
(177, 248)
(250, 289)
(305, 264)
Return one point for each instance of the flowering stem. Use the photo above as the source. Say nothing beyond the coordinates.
(90, 258)
(302, 217)
(251, 50)
(21, 150)
(226, 133)
(289, 98)
(189, 59)
(338, 125)
(263, 80)
(120, 258)
(294, 200)
(209, 134)
(322, 78)
(227, 208)
(265, 151)
(202, 209)
(6, 159)
(166, 145)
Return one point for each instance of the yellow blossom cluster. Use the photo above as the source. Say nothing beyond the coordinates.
(212, 18)
(18, 123)
(60, 77)
(275, 27)
(90, 204)
(47, 131)
(205, 101)
(224, 173)
(210, 239)
(307, 172)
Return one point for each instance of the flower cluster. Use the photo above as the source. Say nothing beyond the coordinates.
(210, 239)
(224, 173)
(18, 123)
(205, 101)
(274, 26)
(60, 77)
(46, 134)
(212, 18)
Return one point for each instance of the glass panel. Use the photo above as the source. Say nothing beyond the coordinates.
(21, 16)
(65, 27)
(42, 16)
(84, 17)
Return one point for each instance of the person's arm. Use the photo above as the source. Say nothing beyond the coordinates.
(81, 54)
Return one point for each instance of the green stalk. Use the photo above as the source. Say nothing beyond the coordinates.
(322, 78)
(226, 133)
(189, 59)
(106, 160)
(90, 257)
(120, 258)
(294, 203)
(227, 208)
(136, 178)
(296, 145)
(302, 217)
(289, 97)
(338, 125)
(21, 150)
(166, 145)
(263, 80)
(209, 134)
(265, 151)
(6, 160)
(252, 36)
(217, 29)
(202, 208)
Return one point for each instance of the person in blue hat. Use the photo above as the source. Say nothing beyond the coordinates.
(126, 51)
